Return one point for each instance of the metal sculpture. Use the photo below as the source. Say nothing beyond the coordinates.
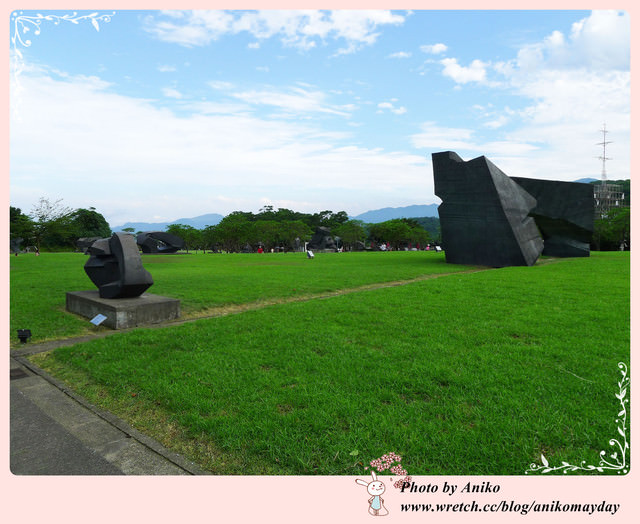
(564, 215)
(159, 242)
(84, 243)
(484, 214)
(322, 240)
(115, 267)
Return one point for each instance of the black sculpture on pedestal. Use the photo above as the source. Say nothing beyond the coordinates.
(159, 242)
(115, 267)
(564, 214)
(484, 214)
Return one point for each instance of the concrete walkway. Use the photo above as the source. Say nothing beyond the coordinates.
(54, 431)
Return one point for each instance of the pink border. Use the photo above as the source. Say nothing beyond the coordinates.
(288, 499)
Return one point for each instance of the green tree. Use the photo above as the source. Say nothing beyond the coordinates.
(89, 223)
(20, 226)
(418, 235)
(209, 237)
(431, 225)
(266, 213)
(613, 230)
(290, 230)
(327, 219)
(52, 224)
(265, 232)
(192, 237)
(398, 232)
(288, 215)
(234, 231)
(351, 232)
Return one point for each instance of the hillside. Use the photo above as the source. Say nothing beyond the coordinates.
(199, 222)
(389, 213)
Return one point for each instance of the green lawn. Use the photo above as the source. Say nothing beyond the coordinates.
(204, 283)
(469, 373)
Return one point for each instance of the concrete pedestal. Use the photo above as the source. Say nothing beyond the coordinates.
(124, 313)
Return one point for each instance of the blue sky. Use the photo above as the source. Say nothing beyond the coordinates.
(157, 115)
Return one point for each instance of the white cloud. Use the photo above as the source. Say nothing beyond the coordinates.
(391, 107)
(219, 108)
(400, 54)
(600, 41)
(497, 122)
(434, 49)
(303, 29)
(170, 92)
(554, 136)
(572, 85)
(164, 68)
(513, 154)
(220, 85)
(475, 72)
(297, 100)
(193, 28)
(133, 160)
(435, 137)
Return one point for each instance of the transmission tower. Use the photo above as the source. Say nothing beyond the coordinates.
(606, 195)
(604, 157)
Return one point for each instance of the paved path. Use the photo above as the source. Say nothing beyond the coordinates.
(53, 431)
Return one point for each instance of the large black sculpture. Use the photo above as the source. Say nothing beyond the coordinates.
(159, 242)
(564, 215)
(322, 240)
(115, 267)
(84, 243)
(484, 214)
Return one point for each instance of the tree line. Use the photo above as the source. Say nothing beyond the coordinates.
(287, 230)
(52, 226)
(612, 232)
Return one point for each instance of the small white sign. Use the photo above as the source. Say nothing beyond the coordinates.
(98, 319)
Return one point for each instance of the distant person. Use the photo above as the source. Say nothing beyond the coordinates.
(260, 250)
(309, 254)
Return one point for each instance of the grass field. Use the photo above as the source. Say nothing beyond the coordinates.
(472, 372)
(205, 284)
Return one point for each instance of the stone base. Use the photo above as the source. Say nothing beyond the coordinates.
(124, 313)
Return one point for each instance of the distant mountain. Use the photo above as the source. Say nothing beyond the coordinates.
(389, 213)
(587, 180)
(212, 219)
(199, 222)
